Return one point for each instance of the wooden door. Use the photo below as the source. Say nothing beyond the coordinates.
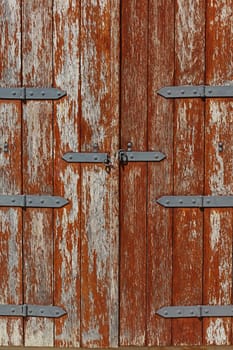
(113, 256)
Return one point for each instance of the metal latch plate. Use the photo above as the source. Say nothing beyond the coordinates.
(196, 201)
(133, 156)
(196, 311)
(27, 310)
(85, 157)
(32, 201)
(193, 91)
(31, 93)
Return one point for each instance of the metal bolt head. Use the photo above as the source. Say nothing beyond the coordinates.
(129, 146)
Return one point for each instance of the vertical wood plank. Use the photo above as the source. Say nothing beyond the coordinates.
(133, 197)
(188, 168)
(218, 169)
(37, 168)
(11, 329)
(99, 125)
(160, 175)
(67, 176)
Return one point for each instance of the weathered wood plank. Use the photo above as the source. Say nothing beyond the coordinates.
(11, 329)
(67, 180)
(133, 197)
(188, 168)
(37, 168)
(160, 175)
(219, 167)
(99, 125)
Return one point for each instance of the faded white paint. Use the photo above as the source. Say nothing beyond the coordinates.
(10, 43)
(38, 146)
(67, 123)
(221, 122)
(95, 83)
(11, 332)
(217, 332)
(39, 332)
(94, 201)
(10, 329)
(188, 142)
(219, 241)
(187, 36)
(99, 95)
(215, 224)
(67, 116)
(37, 44)
(9, 132)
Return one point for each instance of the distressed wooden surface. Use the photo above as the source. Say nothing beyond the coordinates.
(188, 168)
(70, 257)
(99, 197)
(67, 254)
(37, 168)
(219, 167)
(133, 233)
(11, 329)
(160, 175)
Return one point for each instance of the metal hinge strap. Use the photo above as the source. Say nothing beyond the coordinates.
(193, 91)
(32, 201)
(27, 310)
(196, 201)
(196, 311)
(24, 93)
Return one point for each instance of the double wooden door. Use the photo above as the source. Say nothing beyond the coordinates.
(113, 256)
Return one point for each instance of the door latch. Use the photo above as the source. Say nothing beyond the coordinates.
(131, 156)
(89, 157)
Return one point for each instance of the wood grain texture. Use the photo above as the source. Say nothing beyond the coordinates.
(67, 182)
(219, 167)
(160, 175)
(37, 168)
(11, 329)
(99, 125)
(188, 168)
(133, 197)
